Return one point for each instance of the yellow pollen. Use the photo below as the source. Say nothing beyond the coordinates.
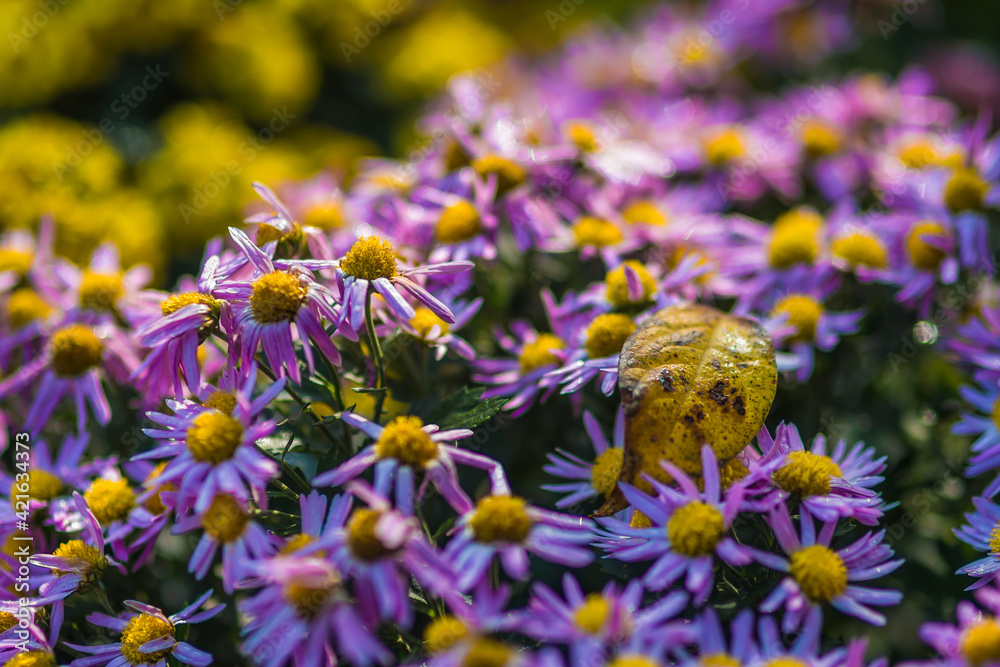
(732, 471)
(444, 632)
(591, 615)
(458, 222)
(223, 401)
(965, 190)
(140, 630)
(405, 440)
(175, 302)
(225, 520)
(80, 550)
(920, 154)
(500, 519)
(859, 249)
(369, 258)
(267, 233)
(981, 642)
(214, 437)
(15, 260)
(43, 486)
(634, 660)
(25, 306)
(590, 231)
(581, 134)
(325, 216)
(644, 212)
(786, 661)
(803, 314)
(100, 291)
(31, 659)
(819, 138)
(538, 352)
(723, 146)
(639, 520)
(923, 255)
(309, 600)
(455, 156)
(695, 529)
(154, 503)
(424, 322)
(277, 297)
(110, 499)
(509, 174)
(7, 621)
(995, 413)
(361, 538)
(718, 660)
(820, 572)
(606, 470)
(393, 179)
(795, 238)
(487, 653)
(297, 542)
(607, 334)
(806, 474)
(75, 350)
(616, 287)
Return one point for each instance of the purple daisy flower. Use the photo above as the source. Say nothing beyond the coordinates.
(976, 344)
(450, 638)
(212, 447)
(279, 226)
(506, 526)
(972, 641)
(597, 477)
(926, 257)
(47, 479)
(406, 447)
(439, 335)
(819, 575)
(712, 642)
(986, 447)
(371, 263)
(981, 533)
(25, 640)
(687, 530)
(148, 636)
(829, 486)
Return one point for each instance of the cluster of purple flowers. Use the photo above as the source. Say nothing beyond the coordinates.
(273, 439)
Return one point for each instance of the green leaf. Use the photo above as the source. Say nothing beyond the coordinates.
(465, 409)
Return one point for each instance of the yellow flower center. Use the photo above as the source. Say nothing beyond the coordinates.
(509, 174)
(806, 474)
(100, 291)
(995, 412)
(538, 352)
(369, 258)
(581, 134)
(7, 621)
(786, 661)
(42, 486)
(607, 334)
(803, 313)
(965, 190)
(110, 499)
(15, 260)
(981, 642)
(590, 231)
(214, 437)
(859, 249)
(405, 440)
(444, 632)
(267, 233)
(695, 529)
(425, 320)
(644, 212)
(500, 519)
(593, 613)
(723, 146)
(616, 287)
(361, 538)
(80, 550)
(633, 661)
(795, 238)
(154, 503)
(819, 138)
(820, 572)
(225, 520)
(296, 542)
(277, 297)
(25, 306)
(458, 222)
(325, 216)
(639, 520)
(732, 471)
(75, 350)
(923, 255)
(31, 659)
(718, 660)
(309, 600)
(455, 156)
(487, 653)
(140, 630)
(606, 471)
(175, 302)
(920, 154)
(223, 401)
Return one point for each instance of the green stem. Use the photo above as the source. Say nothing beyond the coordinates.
(379, 361)
(99, 589)
(306, 405)
(338, 398)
